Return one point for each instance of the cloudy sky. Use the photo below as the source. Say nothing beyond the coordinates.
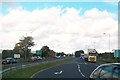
(63, 26)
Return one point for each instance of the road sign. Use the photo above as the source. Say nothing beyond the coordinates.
(16, 55)
(38, 52)
(117, 53)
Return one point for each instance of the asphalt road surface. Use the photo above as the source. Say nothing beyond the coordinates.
(78, 68)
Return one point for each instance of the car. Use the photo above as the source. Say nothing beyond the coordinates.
(106, 71)
(4, 61)
(9, 61)
(57, 57)
(39, 58)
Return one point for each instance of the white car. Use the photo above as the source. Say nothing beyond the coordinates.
(58, 56)
(39, 58)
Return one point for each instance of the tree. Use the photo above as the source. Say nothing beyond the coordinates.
(23, 46)
(81, 52)
(78, 53)
(45, 51)
(52, 53)
(60, 54)
(7, 53)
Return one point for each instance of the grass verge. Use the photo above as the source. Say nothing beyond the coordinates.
(107, 60)
(7, 66)
(29, 71)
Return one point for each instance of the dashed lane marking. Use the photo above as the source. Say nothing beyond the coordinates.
(85, 63)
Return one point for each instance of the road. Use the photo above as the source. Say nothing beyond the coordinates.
(77, 68)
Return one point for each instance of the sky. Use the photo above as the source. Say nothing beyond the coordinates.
(62, 26)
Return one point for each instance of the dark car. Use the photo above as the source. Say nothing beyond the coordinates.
(9, 61)
(106, 72)
(4, 61)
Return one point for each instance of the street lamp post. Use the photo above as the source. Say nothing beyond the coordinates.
(109, 39)
(94, 44)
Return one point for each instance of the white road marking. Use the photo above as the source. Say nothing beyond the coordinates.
(78, 66)
(60, 72)
(80, 71)
(44, 70)
(85, 63)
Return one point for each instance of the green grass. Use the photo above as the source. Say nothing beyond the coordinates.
(29, 71)
(7, 66)
(107, 60)
(12, 65)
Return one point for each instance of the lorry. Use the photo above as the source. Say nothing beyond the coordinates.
(92, 55)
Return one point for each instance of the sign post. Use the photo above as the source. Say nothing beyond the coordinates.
(117, 53)
(38, 52)
(16, 55)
